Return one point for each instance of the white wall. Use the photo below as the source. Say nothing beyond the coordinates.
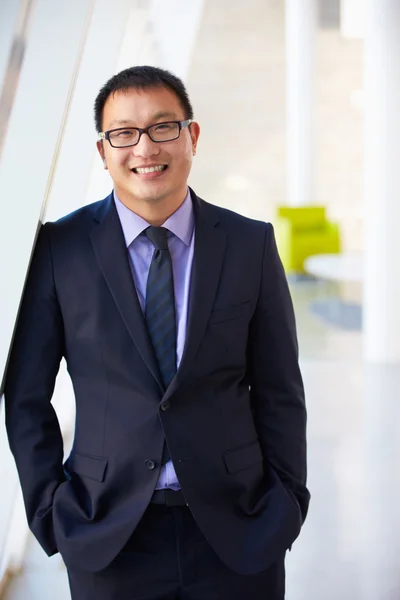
(8, 20)
(176, 24)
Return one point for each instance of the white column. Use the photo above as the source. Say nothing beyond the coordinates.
(352, 19)
(378, 519)
(382, 182)
(301, 23)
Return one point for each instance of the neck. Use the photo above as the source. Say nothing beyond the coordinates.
(154, 211)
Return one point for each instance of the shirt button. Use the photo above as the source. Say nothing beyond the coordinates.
(150, 464)
(165, 405)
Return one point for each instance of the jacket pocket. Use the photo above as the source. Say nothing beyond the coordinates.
(228, 313)
(92, 467)
(243, 457)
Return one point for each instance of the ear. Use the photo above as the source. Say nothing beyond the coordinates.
(100, 149)
(194, 129)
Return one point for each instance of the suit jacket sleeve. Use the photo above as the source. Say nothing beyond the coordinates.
(277, 392)
(32, 426)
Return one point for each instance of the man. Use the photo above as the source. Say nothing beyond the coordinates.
(188, 469)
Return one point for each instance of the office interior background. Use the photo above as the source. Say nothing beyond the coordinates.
(299, 107)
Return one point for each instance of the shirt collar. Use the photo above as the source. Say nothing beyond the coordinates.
(181, 223)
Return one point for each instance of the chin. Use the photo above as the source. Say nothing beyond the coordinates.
(149, 198)
(141, 194)
(154, 196)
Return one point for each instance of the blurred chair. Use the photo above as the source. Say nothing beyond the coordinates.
(302, 232)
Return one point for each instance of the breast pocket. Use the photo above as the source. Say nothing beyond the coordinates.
(229, 313)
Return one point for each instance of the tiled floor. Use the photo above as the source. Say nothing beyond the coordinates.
(349, 548)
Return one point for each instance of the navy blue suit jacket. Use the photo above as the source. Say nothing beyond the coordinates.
(236, 427)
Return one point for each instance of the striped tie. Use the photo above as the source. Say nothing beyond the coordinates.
(160, 304)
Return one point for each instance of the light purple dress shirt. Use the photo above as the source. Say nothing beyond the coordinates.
(181, 246)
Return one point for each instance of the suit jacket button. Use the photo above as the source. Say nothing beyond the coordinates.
(165, 405)
(150, 464)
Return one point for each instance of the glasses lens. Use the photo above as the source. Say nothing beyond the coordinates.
(124, 137)
(164, 132)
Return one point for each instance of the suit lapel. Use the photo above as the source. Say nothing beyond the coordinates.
(111, 252)
(208, 258)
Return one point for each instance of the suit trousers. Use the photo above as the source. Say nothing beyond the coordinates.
(168, 558)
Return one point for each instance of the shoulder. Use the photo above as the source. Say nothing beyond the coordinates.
(71, 233)
(82, 217)
(233, 222)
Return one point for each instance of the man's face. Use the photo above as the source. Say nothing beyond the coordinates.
(141, 108)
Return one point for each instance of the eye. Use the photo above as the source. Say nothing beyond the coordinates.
(164, 127)
(125, 133)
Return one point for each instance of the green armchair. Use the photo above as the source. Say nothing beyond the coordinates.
(302, 232)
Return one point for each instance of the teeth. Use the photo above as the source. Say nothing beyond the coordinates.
(141, 171)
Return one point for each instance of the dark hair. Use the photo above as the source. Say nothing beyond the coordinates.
(141, 78)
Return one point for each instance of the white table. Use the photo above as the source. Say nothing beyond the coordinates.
(341, 277)
(346, 267)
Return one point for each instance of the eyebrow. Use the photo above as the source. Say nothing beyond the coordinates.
(119, 122)
(156, 117)
(165, 115)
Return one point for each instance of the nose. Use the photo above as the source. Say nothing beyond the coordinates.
(145, 147)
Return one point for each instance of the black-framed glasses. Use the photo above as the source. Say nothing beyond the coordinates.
(130, 136)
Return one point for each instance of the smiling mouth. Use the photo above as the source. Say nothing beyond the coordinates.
(146, 170)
